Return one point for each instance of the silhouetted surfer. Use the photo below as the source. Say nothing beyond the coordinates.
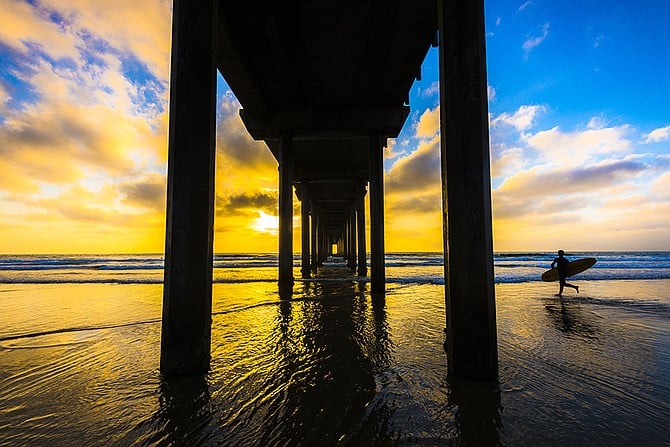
(562, 264)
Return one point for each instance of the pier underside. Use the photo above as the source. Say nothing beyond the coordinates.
(325, 84)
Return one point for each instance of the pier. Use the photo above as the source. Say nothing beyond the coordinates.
(324, 85)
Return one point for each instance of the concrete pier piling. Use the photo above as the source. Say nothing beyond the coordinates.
(377, 263)
(470, 295)
(360, 225)
(286, 216)
(314, 234)
(305, 268)
(187, 292)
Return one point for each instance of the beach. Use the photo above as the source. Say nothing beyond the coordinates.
(80, 345)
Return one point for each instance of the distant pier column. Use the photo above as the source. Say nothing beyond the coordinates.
(340, 247)
(325, 242)
(285, 216)
(347, 229)
(305, 269)
(360, 221)
(346, 237)
(323, 254)
(329, 245)
(470, 299)
(315, 245)
(352, 236)
(319, 240)
(377, 275)
(187, 291)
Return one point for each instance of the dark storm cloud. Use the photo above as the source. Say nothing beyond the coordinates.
(265, 201)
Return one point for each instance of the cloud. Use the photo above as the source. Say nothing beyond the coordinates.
(657, 135)
(147, 191)
(389, 149)
(80, 204)
(578, 147)
(266, 201)
(432, 90)
(417, 171)
(566, 179)
(661, 186)
(143, 30)
(79, 138)
(537, 181)
(596, 122)
(238, 152)
(522, 120)
(83, 121)
(413, 189)
(552, 192)
(4, 98)
(598, 40)
(506, 161)
(532, 42)
(26, 27)
(491, 92)
(416, 204)
(429, 123)
(525, 5)
(75, 110)
(246, 175)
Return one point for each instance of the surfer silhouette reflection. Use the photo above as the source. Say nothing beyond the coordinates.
(562, 264)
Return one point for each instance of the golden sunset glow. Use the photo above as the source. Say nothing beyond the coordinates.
(266, 223)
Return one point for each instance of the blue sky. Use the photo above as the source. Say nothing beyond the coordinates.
(587, 59)
(579, 124)
(579, 130)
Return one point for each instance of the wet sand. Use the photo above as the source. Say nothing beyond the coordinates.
(335, 367)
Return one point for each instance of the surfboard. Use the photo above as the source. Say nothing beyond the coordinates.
(573, 267)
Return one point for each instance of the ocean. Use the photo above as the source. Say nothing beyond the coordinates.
(80, 345)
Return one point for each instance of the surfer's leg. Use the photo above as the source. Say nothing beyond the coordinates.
(573, 286)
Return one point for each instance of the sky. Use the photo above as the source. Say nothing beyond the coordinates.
(578, 114)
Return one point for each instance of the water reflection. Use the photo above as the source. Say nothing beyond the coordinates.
(479, 412)
(570, 319)
(321, 369)
(381, 345)
(325, 370)
(184, 414)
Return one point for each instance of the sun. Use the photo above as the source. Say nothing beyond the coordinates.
(265, 223)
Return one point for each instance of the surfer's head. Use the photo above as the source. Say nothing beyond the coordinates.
(561, 253)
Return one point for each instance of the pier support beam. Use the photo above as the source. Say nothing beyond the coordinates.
(285, 216)
(315, 244)
(354, 237)
(305, 268)
(468, 241)
(377, 275)
(187, 292)
(320, 241)
(351, 228)
(323, 240)
(360, 222)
